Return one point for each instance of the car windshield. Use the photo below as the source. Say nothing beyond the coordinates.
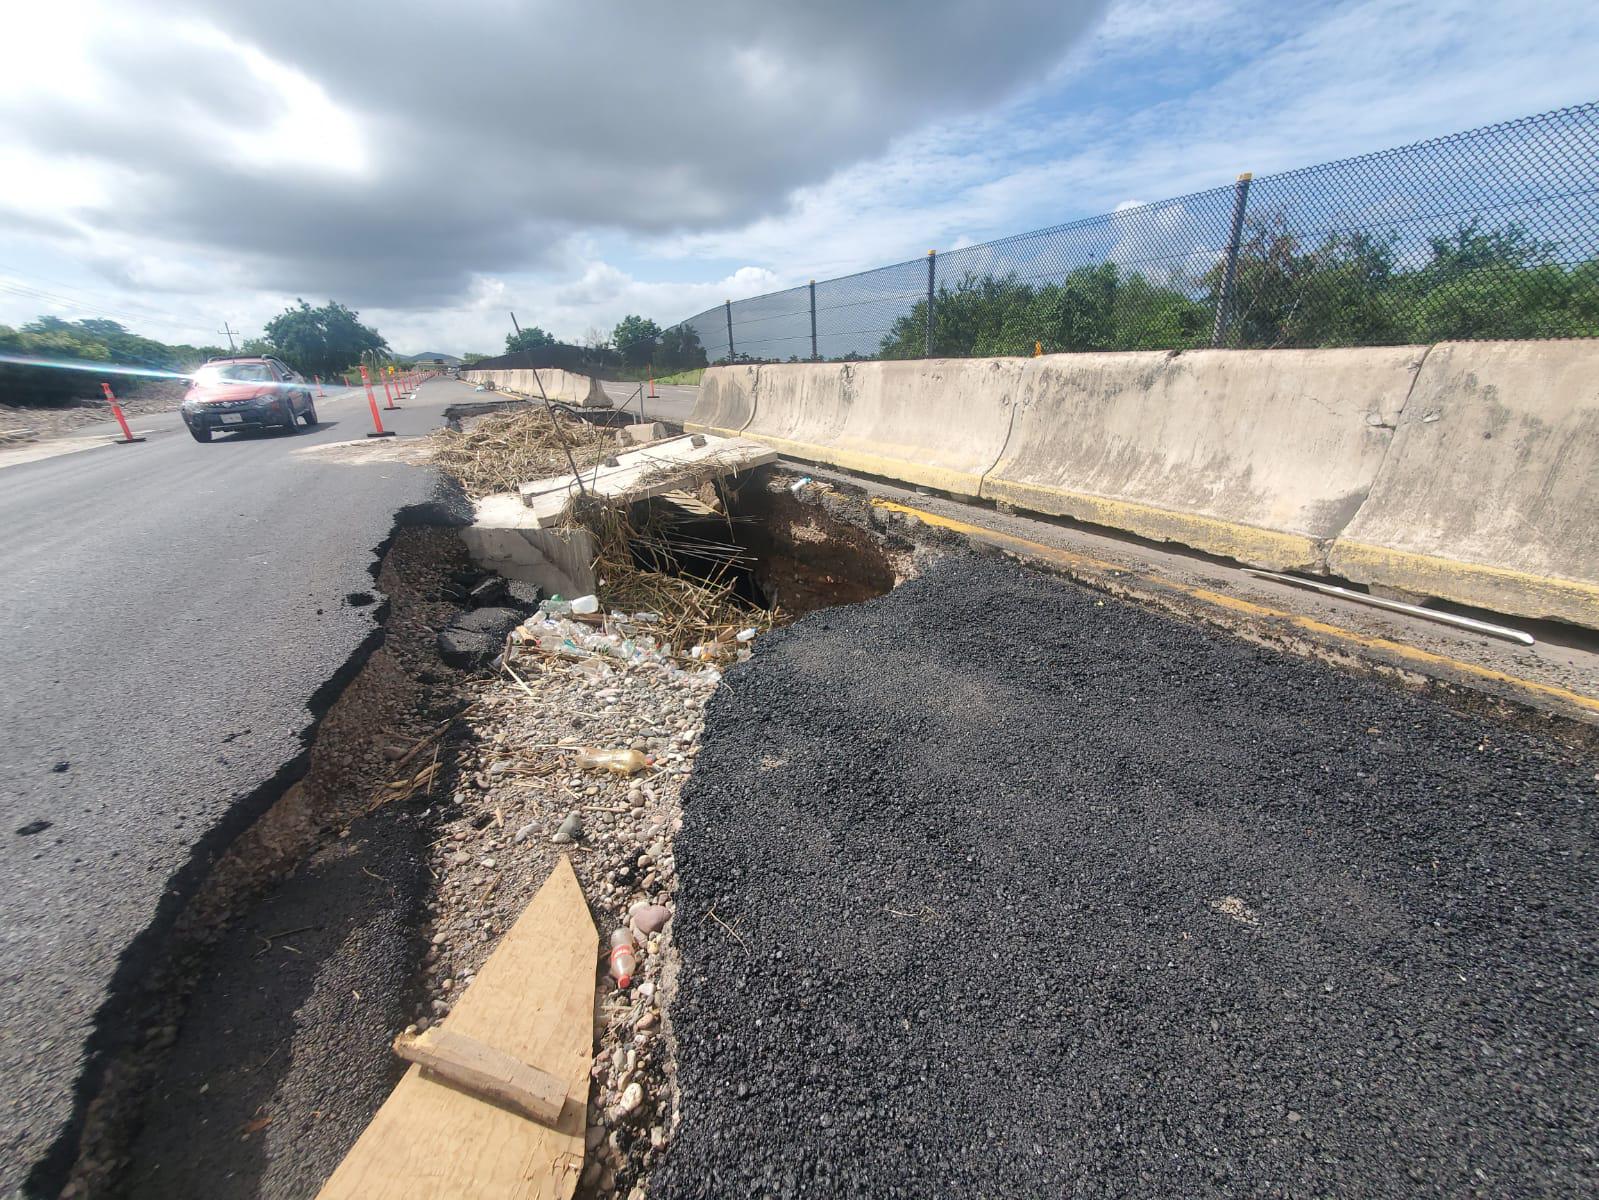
(233, 373)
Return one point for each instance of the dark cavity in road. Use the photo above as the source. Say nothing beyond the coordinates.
(1032, 892)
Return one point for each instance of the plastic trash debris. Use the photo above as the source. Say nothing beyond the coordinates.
(799, 485)
(584, 605)
(624, 957)
(745, 635)
(618, 762)
(570, 831)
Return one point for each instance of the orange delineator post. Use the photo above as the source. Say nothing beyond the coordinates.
(388, 395)
(372, 403)
(653, 396)
(116, 411)
(320, 394)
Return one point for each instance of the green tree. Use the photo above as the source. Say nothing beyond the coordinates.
(634, 338)
(318, 341)
(53, 340)
(680, 350)
(1092, 308)
(531, 338)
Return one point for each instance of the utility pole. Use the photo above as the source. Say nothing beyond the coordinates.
(227, 329)
(514, 325)
(1229, 274)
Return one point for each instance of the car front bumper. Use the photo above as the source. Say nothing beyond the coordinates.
(246, 414)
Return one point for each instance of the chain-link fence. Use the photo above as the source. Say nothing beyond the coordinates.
(1488, 234)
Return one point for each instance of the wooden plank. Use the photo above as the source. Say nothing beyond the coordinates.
(485, 1072)
(533, 1000)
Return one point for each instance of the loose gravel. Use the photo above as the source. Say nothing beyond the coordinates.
(522, 799)
(1023, 891)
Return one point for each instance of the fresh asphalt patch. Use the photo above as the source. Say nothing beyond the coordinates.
(1023, 891)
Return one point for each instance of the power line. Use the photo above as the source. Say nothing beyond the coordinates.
(16, 287)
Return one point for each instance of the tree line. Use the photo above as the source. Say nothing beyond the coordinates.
(635, 345)
(314, 341)
(1347, 290)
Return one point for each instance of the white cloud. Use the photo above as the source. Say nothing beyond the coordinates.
(578, 162)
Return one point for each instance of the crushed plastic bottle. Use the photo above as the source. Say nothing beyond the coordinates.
(624, 957)
(618, 762)
(585, 605)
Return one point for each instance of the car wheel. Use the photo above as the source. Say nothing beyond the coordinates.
(291, 423)
(310, 414)
(200, 433)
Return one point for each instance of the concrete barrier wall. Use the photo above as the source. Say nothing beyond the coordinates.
(1259, 455)
(726, 401)
(1466, 471)
(566, 386)
(1490, 492)
(939, 423)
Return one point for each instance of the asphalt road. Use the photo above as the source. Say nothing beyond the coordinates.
(673, 404)
(1022, 890)
(170, 611)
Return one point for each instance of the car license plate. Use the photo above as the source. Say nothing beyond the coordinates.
(233, 418)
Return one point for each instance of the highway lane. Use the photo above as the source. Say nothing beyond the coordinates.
(673, 403)
(168, 609)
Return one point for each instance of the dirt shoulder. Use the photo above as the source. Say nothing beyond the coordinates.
(58, 420)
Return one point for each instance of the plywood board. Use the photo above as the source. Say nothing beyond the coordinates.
(533, 1000)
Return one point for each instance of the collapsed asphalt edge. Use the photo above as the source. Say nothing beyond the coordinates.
(118, 1026)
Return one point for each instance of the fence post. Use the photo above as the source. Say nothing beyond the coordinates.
(814, 355)
(1224, 296)
(728, 305)
(927, 341)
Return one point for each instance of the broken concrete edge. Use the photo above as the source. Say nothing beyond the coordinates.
(665, 466)
(505, 537)
(1457, 470)
(529, 537)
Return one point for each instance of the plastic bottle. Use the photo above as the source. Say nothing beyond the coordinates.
(619, 762)
(586, 604)
(624, 957)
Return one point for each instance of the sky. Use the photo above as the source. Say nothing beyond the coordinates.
(181, 164)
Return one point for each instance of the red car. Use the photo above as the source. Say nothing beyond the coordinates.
(246, 393)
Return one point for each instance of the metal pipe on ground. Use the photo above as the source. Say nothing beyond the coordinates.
(1470, 624)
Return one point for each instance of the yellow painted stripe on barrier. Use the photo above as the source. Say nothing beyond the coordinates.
(1215, 535)
(1470, 582)
(907, 468)
(1398, 649)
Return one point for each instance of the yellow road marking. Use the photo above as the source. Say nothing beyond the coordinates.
(1398, 649)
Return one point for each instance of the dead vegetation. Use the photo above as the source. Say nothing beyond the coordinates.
(693, 608)
(640, 564)
(503, 450)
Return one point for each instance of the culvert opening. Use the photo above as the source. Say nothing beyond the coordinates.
(770, 537)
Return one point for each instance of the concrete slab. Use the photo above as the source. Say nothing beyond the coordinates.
(645, 433)
(505, 537)
(649, 471)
